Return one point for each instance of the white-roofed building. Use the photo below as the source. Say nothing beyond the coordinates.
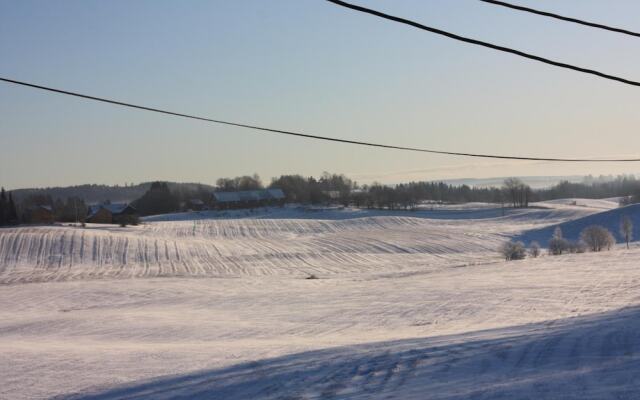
(109, 213)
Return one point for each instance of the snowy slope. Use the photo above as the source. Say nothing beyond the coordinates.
(239, 248)
(409, 306)
(273, 242)
(571, 229)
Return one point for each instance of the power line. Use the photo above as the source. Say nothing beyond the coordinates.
(484, 44)
(563, 18)
(305, 135)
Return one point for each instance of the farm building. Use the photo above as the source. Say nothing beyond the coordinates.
(195, 205)
(248, 199)
(41, 215)
(110, 213)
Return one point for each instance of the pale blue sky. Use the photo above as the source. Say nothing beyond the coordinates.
(311, 66)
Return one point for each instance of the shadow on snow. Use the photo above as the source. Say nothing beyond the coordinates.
(591, 357)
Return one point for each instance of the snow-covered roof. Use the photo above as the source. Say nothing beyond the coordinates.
(248, 195)
(226, 197)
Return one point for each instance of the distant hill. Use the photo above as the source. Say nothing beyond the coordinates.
(99, 193)
(536, 182)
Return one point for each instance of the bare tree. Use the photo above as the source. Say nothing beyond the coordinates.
(518, 191)
(534, 249)
(513, 251)
(626, 229)
(511, 186)
(597, 238)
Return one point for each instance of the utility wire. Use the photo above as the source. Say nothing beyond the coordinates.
(484, 44)
(563, 18)
(309, 136)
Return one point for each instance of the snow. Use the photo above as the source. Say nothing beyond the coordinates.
(409, 305)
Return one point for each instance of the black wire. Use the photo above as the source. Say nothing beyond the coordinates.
(484, 44)
(563, 18)
(305, 135)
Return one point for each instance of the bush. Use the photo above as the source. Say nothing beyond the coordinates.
(597, 238)
(130, 219)
(625, 201)
(534, 249)
(577, 247)
(557, 246)
(513, 251)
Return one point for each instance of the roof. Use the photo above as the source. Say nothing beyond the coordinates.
(114, 208)
(226, 197)
(248, 195)
(196, 201)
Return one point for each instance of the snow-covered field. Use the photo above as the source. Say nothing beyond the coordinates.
(409, 305)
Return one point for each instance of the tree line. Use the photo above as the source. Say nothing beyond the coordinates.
(8, 210)
(625, 186)
(329, 188)
(337, 188)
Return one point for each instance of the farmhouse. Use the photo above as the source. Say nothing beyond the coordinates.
(248, 199)
(195, 205)
(41, 215)
(110, 213)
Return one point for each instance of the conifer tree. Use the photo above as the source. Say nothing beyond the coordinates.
(3, 207)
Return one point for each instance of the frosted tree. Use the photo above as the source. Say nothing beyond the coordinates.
(558, 244)
(534, 249)
(626, 229)
(513, 251)
(597, 238)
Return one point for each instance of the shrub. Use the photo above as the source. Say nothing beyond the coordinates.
(625, 201)
(513, 251)
(557, 246)
(534, 249)
(577, 247)
(597, 238)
